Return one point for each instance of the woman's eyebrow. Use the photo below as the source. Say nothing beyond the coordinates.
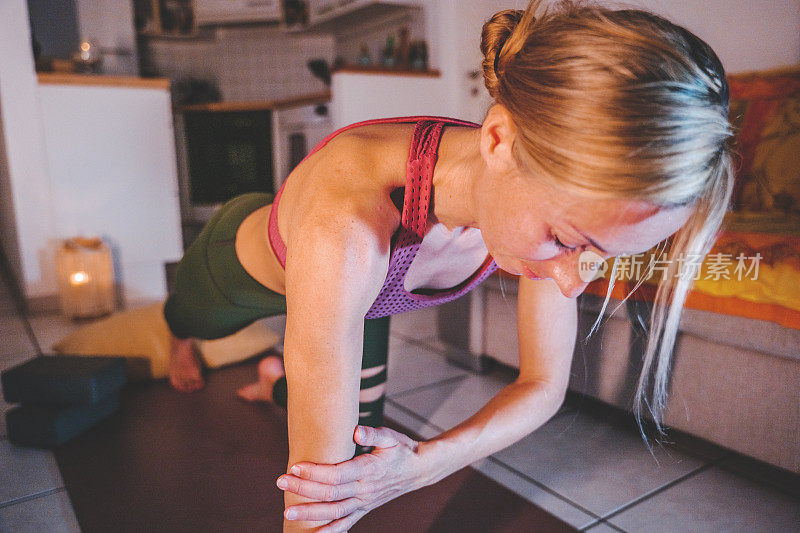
(591, 241)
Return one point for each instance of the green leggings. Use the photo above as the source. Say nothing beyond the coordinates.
(214, 297)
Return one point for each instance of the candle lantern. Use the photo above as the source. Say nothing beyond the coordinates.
(85, 278)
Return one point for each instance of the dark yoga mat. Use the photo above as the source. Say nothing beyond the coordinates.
(208, 462)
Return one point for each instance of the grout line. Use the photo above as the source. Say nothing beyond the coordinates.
(420, 388)
(607, 524)
(658, 490)
(17, 298)
(542, 486)
(511, 469)
(412, 414)
(31, 335)
(419, 342)
(30, 497)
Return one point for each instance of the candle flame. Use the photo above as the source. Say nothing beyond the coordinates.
(79, 278)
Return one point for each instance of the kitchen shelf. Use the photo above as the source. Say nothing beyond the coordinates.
(389, 71)
(259, 105)
(199, 35)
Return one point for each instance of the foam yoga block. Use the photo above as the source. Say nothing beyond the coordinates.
(64, 380)
(47, 426)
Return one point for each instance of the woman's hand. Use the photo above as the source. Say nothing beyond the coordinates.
(349, 490)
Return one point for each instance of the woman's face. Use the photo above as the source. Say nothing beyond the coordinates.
(535, 231)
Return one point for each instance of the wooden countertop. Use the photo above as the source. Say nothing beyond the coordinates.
(69, 78)
(357, 69)
(259, 105)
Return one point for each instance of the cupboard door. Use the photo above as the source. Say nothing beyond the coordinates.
(208, 12)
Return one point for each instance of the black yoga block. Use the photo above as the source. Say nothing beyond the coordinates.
(47, 426)
(64, 379)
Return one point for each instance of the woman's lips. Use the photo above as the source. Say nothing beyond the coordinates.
(528, 274)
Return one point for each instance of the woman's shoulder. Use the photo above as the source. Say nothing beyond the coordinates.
(351, 178)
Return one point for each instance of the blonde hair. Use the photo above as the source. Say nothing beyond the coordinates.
(620, 104)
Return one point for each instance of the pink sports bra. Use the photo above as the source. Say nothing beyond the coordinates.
(393, 298)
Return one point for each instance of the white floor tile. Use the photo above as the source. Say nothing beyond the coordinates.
(7, 306)
(51, 513)
(407, 420)
(412, 365)
(26, 471)
(535, 494)
(14, 341)
(500, 474)
(714, 500)
(52, 327)
(418, 325)
(594, 464)
(450, 403)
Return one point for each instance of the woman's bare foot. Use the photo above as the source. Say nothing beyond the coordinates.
(184, 369)
(270, 370)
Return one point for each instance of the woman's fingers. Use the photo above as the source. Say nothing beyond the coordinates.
(382, 437)
(323, 511)
(345, 472)
(317, 491)
(343, 524)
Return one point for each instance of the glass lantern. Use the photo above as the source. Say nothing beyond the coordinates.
(85, 278)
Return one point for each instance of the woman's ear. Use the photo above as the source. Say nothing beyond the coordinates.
(498, 134)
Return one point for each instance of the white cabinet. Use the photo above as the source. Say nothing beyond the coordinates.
(320, 11)
(110, 152)
(209, 12)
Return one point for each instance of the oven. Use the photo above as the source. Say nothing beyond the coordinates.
(223, 154)
(297, 130)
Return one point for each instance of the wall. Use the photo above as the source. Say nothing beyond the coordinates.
(373, 33)
(372, 96)
(23, 171)
(245, 63)
(55, 26)
(109, 24)
(746, 34)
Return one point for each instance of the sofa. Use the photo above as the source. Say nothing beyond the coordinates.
(735, 377)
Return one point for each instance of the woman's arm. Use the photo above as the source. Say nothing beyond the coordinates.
(547, 325)
(334, 270)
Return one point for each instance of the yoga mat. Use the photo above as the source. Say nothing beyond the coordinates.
(208, 461)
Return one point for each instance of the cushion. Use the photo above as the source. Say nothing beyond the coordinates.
(63, 379)
(765, 110)
(48, 426)
(142, 336)
(246, 343)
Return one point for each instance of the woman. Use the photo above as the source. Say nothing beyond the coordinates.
(608, 135)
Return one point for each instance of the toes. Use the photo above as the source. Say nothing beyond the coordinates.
(186, 385)
(253, 393)
(246, 393)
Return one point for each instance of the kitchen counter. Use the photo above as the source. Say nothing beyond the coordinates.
(260, 105)
(70, 78)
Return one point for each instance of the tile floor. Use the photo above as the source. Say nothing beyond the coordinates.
(582, 466)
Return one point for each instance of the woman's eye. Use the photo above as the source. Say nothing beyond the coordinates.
(562, 245)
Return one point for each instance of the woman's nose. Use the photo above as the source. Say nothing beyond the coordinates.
(567, 276)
